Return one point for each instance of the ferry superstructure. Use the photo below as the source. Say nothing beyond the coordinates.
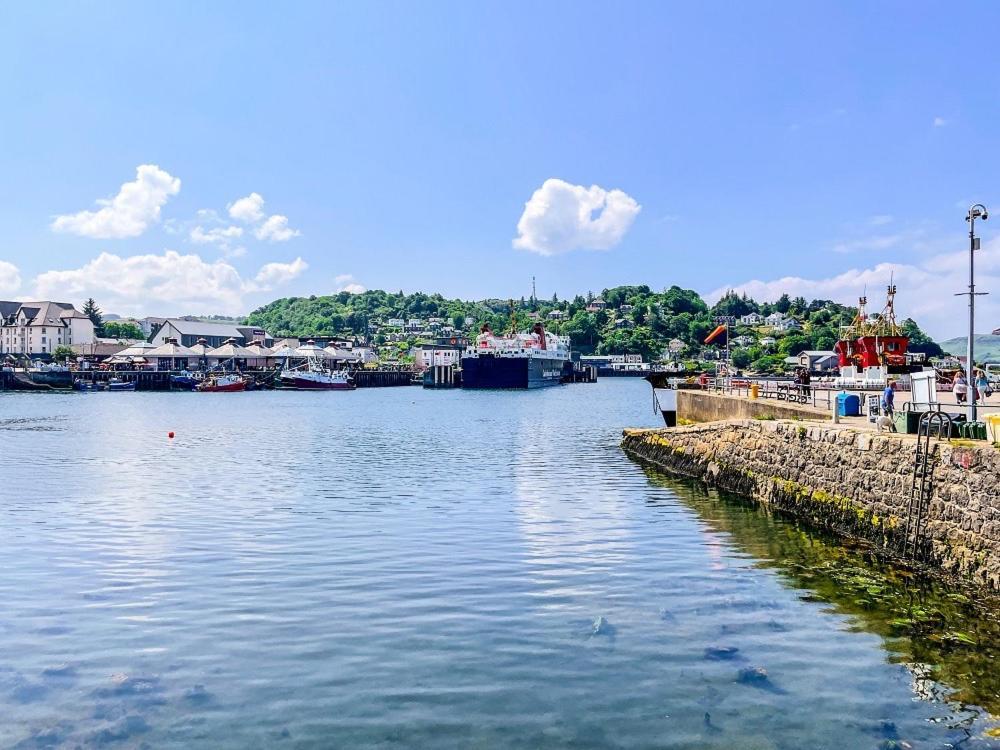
(517, 360)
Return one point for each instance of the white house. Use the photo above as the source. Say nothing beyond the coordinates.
(744, 340)
(775, 319)
(37, 328)
(556, 315)
(395, 322)
(676, 345)
(768, 341)
(788, 324)
(752, 319)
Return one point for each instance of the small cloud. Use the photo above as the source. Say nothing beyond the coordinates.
(880, 220)
(249, 210)
(345, 283)
(560, 217)
(10, 278)
(882, 242)
(940, 122)
(215, 235)
(129, 213)
(275, 229)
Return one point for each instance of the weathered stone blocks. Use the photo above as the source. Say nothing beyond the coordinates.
(853, 482)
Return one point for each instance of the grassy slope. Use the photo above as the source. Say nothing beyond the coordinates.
(987, 347)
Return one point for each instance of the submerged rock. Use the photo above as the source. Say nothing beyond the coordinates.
(722, 653)
(757, 677)
(601, 626)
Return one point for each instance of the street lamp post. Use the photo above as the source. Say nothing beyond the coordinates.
(977, 211)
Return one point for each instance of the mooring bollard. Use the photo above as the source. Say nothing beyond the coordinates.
(836, 412)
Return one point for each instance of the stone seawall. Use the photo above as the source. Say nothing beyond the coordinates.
(854, 482)
(706, 406)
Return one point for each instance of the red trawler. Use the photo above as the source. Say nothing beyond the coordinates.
(874, 341)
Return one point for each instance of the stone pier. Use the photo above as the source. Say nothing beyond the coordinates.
(848, 480)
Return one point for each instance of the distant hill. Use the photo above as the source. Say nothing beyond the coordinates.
(987, 347)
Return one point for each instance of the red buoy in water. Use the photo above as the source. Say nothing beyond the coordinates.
(170, 434)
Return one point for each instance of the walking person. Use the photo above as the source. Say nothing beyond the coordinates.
(960, 387)
(982, 386)
(888, 399)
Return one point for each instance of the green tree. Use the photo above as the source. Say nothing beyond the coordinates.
(115, 329)
(92, 311)
(741, 358)
(62, 353)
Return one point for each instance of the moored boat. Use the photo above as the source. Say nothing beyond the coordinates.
(222, 384)
(87, 385)
(184, 381)
(517, 360)
(117, 384)
(314, 377)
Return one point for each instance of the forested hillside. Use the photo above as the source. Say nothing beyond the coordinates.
(624, 319)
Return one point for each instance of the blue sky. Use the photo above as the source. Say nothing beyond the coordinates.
(808, 147)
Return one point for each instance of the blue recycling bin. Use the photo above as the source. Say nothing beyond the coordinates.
(848, 405)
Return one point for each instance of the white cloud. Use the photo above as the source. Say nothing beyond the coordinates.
(940, 122)
(275, 229)
(129, 213)
(926, 289)
(345, 283)
(215, 235)
(561, 217)
(273, 274)
(880, 220)
(10, 277)
(170, 282)
(881, 242)
(249, 210)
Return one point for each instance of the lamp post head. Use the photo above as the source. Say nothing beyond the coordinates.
(977, 211)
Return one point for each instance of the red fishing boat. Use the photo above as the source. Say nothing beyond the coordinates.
(222, 384)
(874, 341)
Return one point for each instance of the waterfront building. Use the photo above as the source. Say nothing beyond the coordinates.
(431, 355)
(818, 360)
(188, 332)
(36, 329)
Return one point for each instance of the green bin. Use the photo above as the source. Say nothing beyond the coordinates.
(907, 421)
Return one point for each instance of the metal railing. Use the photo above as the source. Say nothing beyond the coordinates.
(778, 390)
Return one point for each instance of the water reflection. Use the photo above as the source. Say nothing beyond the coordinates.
(947, 640)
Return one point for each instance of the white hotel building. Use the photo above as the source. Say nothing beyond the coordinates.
(37, 328)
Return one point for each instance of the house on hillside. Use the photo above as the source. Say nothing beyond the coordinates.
(774, 319)
(556, 315)
(596, 304)
(788, 324)
(768, 341)
(744, 340)
(751, 319)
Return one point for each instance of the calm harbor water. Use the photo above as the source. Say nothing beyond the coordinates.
(403, 568)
